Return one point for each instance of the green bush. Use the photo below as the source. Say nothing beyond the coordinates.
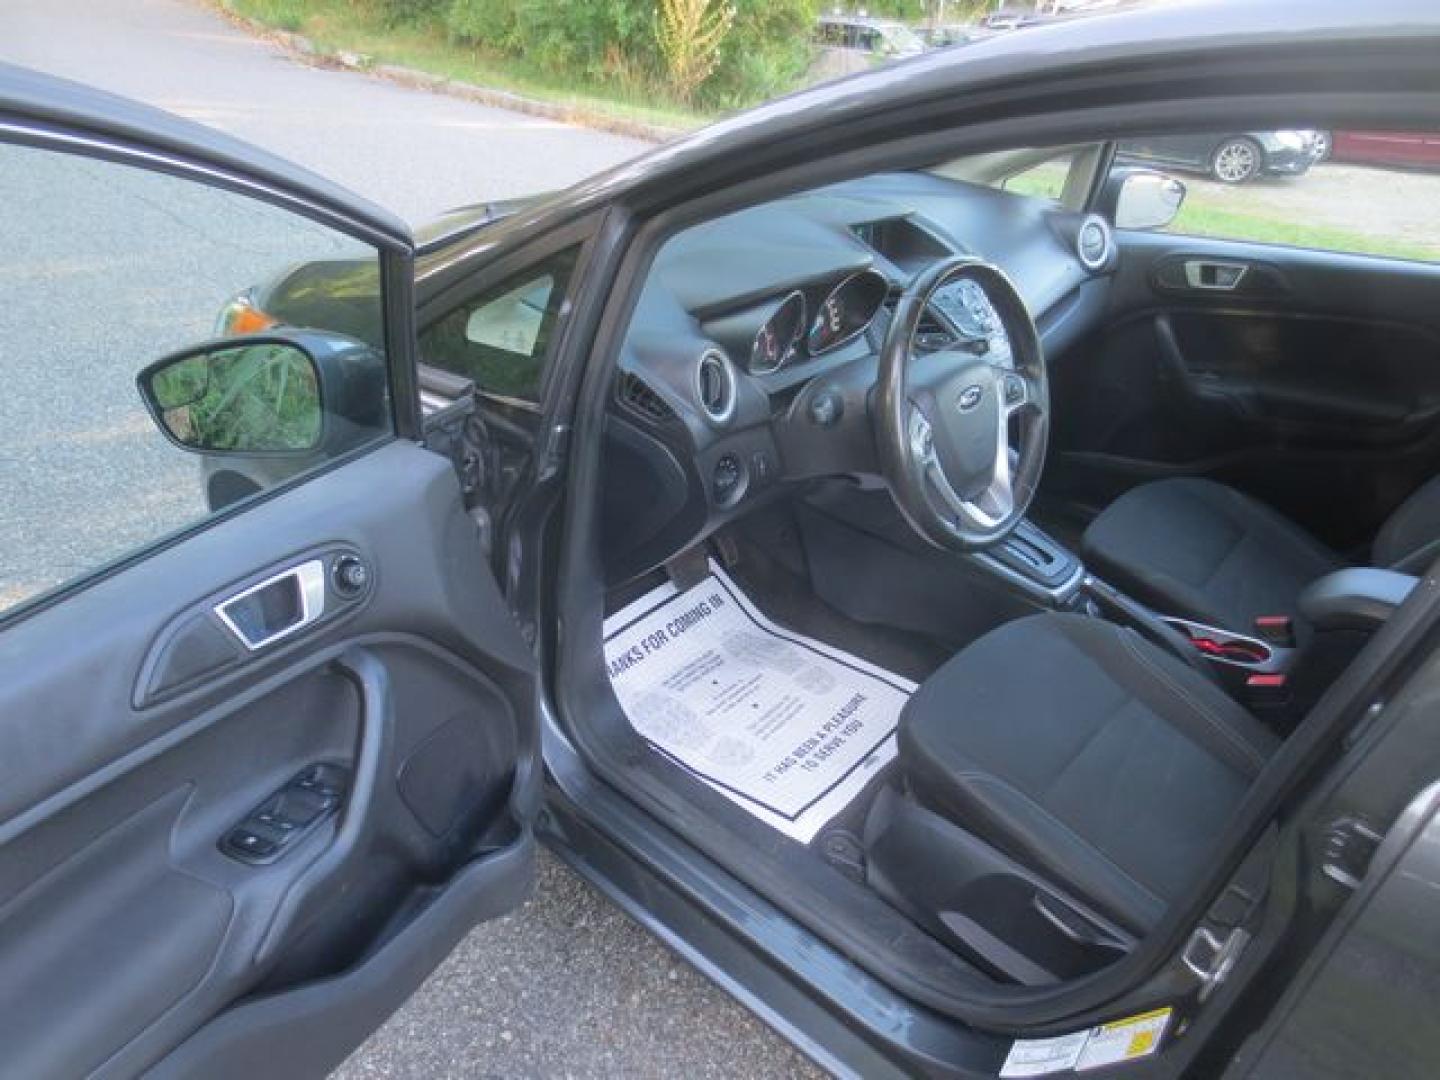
(399, 12)
(611, 43)
(285, 14)
(767, 52)
(483, 22)
(598, 40)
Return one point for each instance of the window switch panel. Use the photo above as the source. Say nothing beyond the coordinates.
(310, 797)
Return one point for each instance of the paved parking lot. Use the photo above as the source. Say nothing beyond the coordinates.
(567, 986)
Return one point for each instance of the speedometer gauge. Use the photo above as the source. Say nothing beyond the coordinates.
(847, 310)
(778, 336)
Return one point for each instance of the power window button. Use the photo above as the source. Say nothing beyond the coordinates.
(321, 780)
(272, 820)
(249, 844)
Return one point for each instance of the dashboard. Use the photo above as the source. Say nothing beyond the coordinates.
(752, 351)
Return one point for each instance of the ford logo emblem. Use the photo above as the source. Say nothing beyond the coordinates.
(969, 398)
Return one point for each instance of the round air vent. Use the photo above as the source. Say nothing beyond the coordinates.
(1093, 243)
(715, 386)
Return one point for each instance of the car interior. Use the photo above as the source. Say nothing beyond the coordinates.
(1046, 535)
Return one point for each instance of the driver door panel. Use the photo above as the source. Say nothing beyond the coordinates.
(127, 924)
(1313, 382)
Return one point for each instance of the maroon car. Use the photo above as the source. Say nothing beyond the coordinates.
(1413, 149)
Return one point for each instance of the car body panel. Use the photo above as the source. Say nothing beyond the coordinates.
(1409, 149)
(1361, 1003)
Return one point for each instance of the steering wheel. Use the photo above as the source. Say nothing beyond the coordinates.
(943, 420)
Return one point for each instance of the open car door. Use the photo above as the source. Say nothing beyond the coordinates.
(261, 768)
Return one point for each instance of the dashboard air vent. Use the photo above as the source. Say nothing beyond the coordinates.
(635, 393)
(1092, 243)
(715, 386)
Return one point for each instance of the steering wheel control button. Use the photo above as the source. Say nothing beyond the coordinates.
(922, 438)
(350, 576)
(1014, 390)
(827, 407)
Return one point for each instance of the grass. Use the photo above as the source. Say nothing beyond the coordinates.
(1197, 218)
(353, 26)
(1203, 215)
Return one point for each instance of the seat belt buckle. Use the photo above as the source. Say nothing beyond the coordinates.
(1267, 688)
(1277, 630)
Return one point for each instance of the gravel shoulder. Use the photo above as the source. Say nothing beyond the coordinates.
(569, 986)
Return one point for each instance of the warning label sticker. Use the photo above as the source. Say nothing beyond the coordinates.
(1109, 1044)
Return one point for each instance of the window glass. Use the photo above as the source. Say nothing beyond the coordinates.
(1359, 192)
(1038, 172)
(106, 269)
(501, 340)
(1045, 180)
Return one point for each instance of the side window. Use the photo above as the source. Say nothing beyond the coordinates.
(501, 339)
(107, 446)
(1355, 192)
(1045, 180)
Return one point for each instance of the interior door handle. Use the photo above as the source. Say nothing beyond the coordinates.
(1214, 275)
(277, 607)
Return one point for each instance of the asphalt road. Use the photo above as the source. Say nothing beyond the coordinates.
(565, 987)
(414, 152)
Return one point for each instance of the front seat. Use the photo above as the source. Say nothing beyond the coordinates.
(1205, 552)
(1085, 753)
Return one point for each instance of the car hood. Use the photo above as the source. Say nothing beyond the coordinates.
(463, 220)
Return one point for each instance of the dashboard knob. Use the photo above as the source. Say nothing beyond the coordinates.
(826, 407)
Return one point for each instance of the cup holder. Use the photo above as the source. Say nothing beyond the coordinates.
(1223, 647)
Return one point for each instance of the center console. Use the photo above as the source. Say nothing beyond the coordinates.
(1279, 667)
(1037, 564)
(1257, 668)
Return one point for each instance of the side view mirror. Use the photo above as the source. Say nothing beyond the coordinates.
(1147, 200)
(287, 393)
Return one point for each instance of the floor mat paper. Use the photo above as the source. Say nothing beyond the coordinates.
(783, 725)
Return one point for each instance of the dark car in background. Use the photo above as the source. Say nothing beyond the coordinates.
(880, 38)
(1229, 157)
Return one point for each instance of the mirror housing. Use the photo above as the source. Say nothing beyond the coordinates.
(288, 393)
(1140, 198)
